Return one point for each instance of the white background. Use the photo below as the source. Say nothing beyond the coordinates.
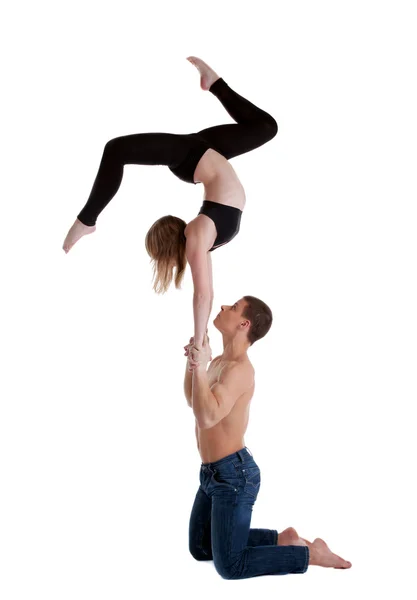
(99, 465)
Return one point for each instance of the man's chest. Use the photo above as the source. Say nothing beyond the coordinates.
(214, 370)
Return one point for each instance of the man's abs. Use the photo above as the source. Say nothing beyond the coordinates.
(227, 436)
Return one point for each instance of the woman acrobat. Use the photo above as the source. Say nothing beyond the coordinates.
(200, 157)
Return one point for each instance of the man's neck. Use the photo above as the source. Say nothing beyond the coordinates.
(234, 349)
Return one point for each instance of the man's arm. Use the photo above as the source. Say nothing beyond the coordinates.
(188, 384)
(211, 405)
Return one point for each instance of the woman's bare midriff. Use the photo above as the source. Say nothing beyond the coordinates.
(221, 184)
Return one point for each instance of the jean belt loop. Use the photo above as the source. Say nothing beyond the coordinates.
(241, 456)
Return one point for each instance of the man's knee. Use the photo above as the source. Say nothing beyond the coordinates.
(199, 553)
(226, 570)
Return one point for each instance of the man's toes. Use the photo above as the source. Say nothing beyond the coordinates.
(342, 563)
(292, 534)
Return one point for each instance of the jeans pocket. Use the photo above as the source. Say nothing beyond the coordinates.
(228, 479)
(252, 477)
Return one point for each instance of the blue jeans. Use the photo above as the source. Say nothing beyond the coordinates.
(220, 523)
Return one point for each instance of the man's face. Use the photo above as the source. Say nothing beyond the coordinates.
(230, 316)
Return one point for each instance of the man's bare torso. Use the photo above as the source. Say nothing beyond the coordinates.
(228, 435)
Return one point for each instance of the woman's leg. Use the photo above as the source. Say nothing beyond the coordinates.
(139, 149)
(254, 127)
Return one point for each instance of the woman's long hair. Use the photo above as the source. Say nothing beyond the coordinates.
(165, 244)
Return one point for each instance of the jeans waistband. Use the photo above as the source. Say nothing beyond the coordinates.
(244, 454)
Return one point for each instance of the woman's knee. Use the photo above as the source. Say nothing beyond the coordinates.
(270, 127)
(113, 146)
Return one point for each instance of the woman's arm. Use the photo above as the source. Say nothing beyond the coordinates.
(210, 269)
(203, 291)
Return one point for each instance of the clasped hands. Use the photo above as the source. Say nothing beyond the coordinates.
(198, 356)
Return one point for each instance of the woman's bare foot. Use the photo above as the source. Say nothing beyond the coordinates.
(75, 233)
(289, 537)
(208, 76)
(322, 556)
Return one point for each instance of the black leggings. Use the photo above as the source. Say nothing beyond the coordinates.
(181, 153)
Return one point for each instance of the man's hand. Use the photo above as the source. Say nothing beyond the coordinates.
(188, 346)
(191, 362)
(187, 349)
(198, 357)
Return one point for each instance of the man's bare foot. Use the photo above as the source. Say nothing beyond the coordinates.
(75, 233)
(322, 556)
(289, 537)
(208, 76)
